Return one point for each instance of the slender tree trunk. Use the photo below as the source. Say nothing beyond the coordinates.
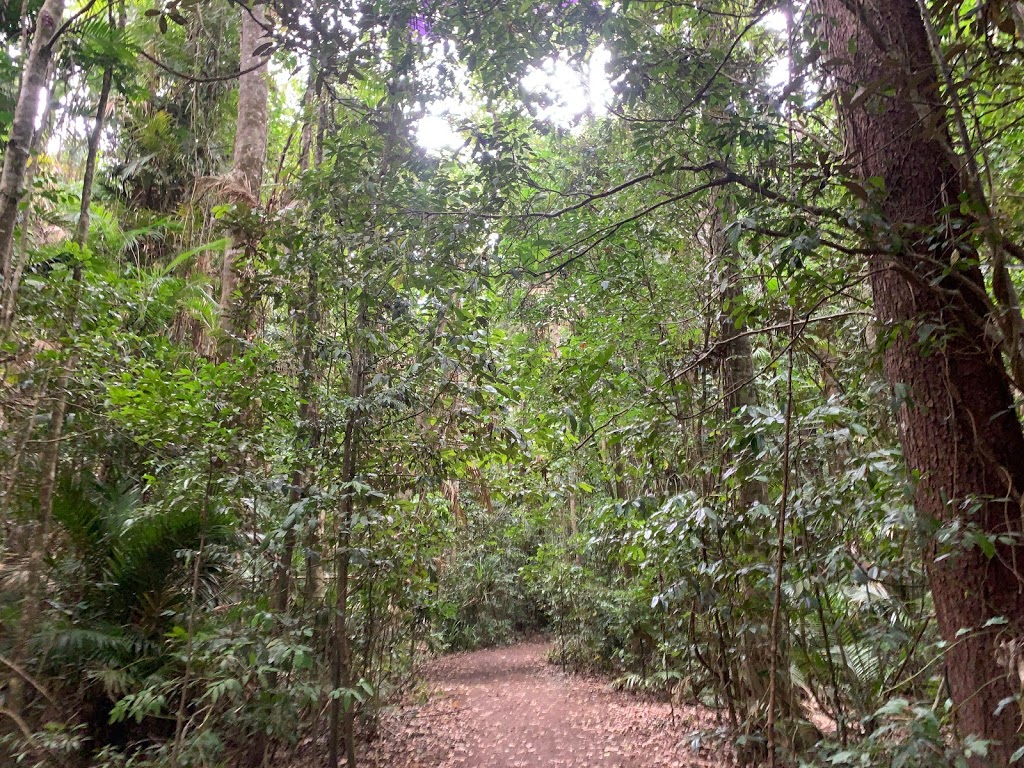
(310, 109)
(51, 451)
(19, 143)
(738, 361)
(181, 712)
(89, 176)
(754, 658)
(343, 720)
(323, 116)
(960, 430)
(313, 562)
(12, 283)
(306, 439)
(312, 544)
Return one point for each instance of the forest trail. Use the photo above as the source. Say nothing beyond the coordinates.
(508, 707)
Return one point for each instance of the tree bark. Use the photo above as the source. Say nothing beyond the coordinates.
(306, 437)
(342, 720)
(19, 144)
(738, 380)
(11, 281)
(51, 453)
(960, 430)
(753, 657)
(738, 362)
(89, 176)
(311, 111)
(250, 151)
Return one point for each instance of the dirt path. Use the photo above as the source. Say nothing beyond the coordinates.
(507, 707)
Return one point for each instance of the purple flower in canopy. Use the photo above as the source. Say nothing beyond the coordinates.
(420, 25)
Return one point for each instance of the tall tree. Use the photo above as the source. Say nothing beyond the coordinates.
(250, 152)
(52, 447)
(960, 430)
(19, 143)
(306, 311)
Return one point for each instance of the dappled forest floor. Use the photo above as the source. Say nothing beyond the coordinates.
(507, 707)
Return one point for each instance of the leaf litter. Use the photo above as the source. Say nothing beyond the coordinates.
(509, 708)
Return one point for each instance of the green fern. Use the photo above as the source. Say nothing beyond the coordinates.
(134, 561)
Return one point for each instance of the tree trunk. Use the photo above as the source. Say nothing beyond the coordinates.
(960, 430)
(738, 362)
(89, 176)
(11, 282)
(51, 453)
(342, 725)
(250, 151)
(19, 144)
(749, 670)
(306, 439)
(738, 384)
(310, 117)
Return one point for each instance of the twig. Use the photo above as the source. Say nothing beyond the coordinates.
(200, 80)
(27, 733)
(28, 678)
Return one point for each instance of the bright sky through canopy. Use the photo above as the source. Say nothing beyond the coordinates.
(570, 93)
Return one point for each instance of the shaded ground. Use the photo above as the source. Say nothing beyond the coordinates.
(507, 707)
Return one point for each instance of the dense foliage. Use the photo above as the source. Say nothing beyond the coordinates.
(462, 357)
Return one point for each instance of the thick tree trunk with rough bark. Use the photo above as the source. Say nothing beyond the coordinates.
(19, 143)
(960, 430)
(250, 152)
